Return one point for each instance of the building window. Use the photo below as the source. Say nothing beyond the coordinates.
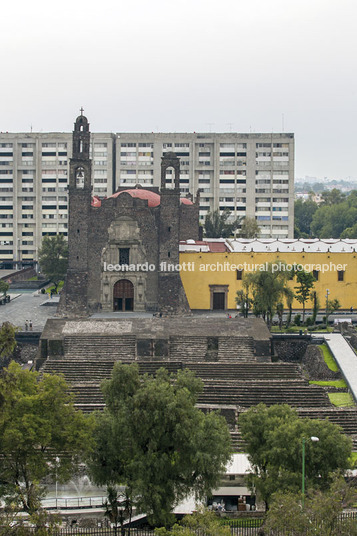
(315, 273)
(124, 255)
(239, 275)
(340, 275)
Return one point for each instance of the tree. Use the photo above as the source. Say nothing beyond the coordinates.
(336, 219)
(332, 197)
(53, 258)
(243, 299)
(322, 512)
(7, 340)
(273, 437)
(249, 228)
(4, 287)
(289, 297)
(315, 305)
(200, 522)
(331, 307)
(41, 434)
(268, 288)
(41, 523)
(153, 439)
(306, 283)
(303, 214)
(280, 312)
(217, 224)
(118, 508)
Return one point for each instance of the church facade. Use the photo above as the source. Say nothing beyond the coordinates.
(124, 250)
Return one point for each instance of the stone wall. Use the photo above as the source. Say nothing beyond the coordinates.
(291, 349)
(315, 366)
(189, 227)
(20, 275)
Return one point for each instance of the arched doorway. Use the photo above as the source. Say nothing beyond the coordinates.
(123, 295)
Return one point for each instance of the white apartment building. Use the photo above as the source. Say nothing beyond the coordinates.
(250, 174)
(34, 171)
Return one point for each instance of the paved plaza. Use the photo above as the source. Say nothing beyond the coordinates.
(28, 306)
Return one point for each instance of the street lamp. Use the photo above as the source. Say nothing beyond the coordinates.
(315, 439)
(327, 295)
(57, 462)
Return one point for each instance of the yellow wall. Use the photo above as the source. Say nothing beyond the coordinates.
(196, 279)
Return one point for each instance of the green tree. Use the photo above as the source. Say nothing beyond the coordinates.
(268, 288)
(41, 434)
(218, 224)
(273, 437)
(42, 523)
(306, 283)
(349, 232)
(243, 298)
(53, 258)
(289, 297)
(4, 287)
(332, 197)
(315, 305)
(153, 439)
(280, 312)
(335, 220)
(303, 214)
(200, 522)
(322, 512)
(249, 228)
(331, 307)
(118, 508)
(7, 340)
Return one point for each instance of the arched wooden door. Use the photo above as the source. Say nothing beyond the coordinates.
(123, 295)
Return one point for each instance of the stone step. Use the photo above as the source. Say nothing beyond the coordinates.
(99, 347)
(297, 397)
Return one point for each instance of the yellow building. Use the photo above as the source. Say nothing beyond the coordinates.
(212, 270)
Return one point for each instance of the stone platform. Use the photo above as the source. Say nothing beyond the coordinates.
(172, 338)
(231, 356)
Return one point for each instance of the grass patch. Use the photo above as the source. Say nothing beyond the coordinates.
(34, 278)
(295, 329)
(341, 384)
(328, 358)
(60, 285)
(341, 399)
(353, 459)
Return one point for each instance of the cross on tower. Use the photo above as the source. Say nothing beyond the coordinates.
(81, 110)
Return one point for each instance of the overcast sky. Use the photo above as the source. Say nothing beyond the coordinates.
(190, 65)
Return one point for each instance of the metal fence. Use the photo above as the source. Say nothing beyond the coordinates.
(238, 527)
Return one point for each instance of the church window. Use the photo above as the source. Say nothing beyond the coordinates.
(80, 177)
(124, 255)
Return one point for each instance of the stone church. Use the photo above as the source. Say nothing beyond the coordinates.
(123, 250)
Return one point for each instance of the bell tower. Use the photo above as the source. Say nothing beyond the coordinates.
(80, 195)
(172, 297)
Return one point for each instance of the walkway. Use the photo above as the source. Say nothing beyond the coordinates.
(27, 306)
(346, 359)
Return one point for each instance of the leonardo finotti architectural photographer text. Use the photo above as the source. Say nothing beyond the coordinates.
(223, 267)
